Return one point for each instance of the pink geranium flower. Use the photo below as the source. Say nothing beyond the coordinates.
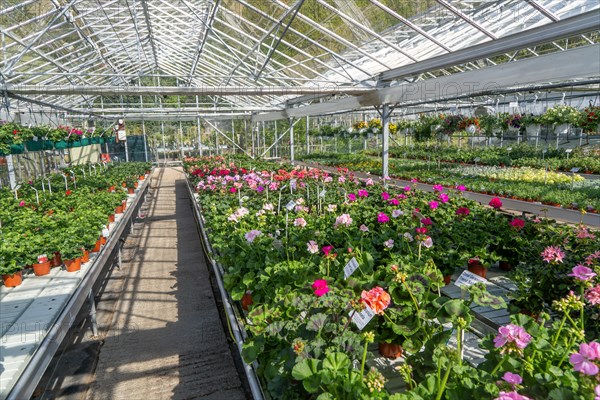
(385, 196)
(463, 211)
(364, 228)
(511, 396)
(444, 198)
(253, 234)
(343, 219)
(513, 379)
(461, 188)
(511, 338)
(389, 243)
(426, 221)
(421, 230)
(582, 361)
(393, 202)
(582, 273)
(312, 247)
(592, 295)
(327, 249)
(363, 193)
(438, 188)
(517, 223)
(351, 197)
(301, 222)
(433, 205)
(553, 254)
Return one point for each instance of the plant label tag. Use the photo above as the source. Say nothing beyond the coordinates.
(467, 279)
(323, 192)
(477, 159)
(42, 258)
(293, 183)
(574, 170)
(290, 206)
(245, 198)
(105, 232)
(35, 139)
(568, 150)
(513, 104)
(509, 149)
(350, 268)
(361, 319)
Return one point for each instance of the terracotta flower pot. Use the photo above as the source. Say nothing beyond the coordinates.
(102, 240)
(247, 300)
(131, 190)
(124, 204)
(119, 210)
(111, 218)
(41, 269)
(447, 279)
(124, 184)
(56, 260)
(142, 177)
(12, 280)
(505, 266)
(390, 350)
(135, 185)
(478, 269)
(112, 188)
(73, 265)
(86, 256)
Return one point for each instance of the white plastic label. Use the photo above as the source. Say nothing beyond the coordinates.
(573, 170)
(467, 279)
(290, 206)
(323, 192)
(105, 232)
(361, 319)
(509, 149)
(350, 267)
(513, 104)
(35, 138)
(42, 258)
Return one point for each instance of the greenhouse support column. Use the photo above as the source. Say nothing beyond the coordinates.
(233, 131)
(292, 139)
(126, 151)
(385, 117)
(199, 136)
(162, 129)
(264, 138)
(181, 141)
(276, 136)
(145, 141)
(307, 136)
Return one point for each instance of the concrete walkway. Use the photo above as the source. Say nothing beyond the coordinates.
(167, 341)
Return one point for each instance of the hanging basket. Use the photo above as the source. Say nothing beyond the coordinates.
(17, 149)
(60, 145)
(35, 145)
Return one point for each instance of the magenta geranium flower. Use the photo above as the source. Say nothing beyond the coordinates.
(406, 188)
(421, 230)
(438, 188)
(444, 198)
(351, 197)
(22, 203)
(382, 218)
(320, 287)
(393, 202)
(232, 190)
(327, 249)
(511, 338)
(385, 196)
(582, 273)
(433, 205)
(517, 223)
(461, 188)
(463, 211)
(495, 203)
(426, 221)
(582, 361)
(363, 193)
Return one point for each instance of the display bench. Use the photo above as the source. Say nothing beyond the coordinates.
(36, 316)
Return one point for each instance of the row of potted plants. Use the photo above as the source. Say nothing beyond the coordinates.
(307, 253)
(522, 155)
(16, 138)
(527, 184)
(45, 223)
(423, 127)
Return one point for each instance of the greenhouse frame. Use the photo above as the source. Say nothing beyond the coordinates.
(286, 199)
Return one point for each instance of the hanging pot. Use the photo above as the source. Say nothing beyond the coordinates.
(41, 269)
(73, 265)
(12, 280)
(390, 350)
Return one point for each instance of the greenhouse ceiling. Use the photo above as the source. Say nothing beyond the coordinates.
(275, 56)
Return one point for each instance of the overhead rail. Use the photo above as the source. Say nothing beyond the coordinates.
(546, 69)
(568, 27)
